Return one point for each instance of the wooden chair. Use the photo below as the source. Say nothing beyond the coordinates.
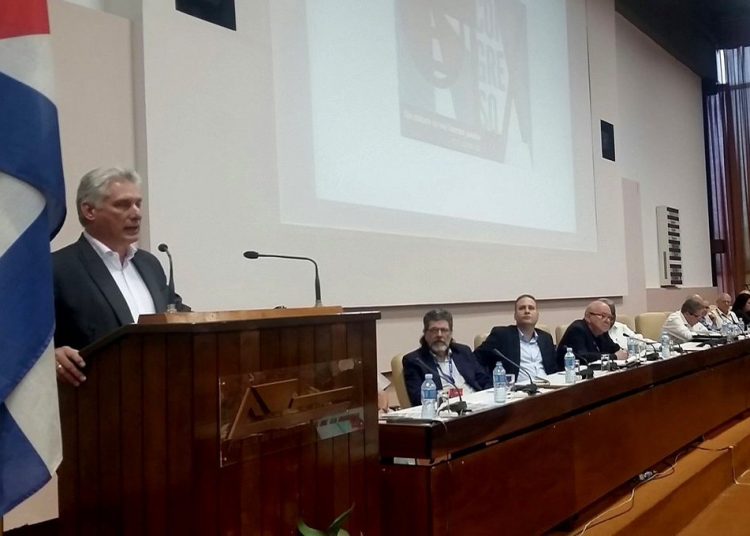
(397, 378)
(627, 320)
(649, 324)
(560, 331)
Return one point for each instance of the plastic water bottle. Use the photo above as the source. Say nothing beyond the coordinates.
(633, 352)
(570, 366)
(500, 384)
(665, 344)
(429, 397)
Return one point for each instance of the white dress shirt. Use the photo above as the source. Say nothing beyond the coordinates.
(620, 333)
(127, 278)
(449, 371)
(531, 359)
(719, 318)
(679, 329)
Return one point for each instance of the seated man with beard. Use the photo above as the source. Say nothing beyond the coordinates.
(449, 362)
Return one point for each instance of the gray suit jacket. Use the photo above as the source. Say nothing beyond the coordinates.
(88, 303)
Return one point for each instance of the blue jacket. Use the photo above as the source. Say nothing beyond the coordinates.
(416, 363)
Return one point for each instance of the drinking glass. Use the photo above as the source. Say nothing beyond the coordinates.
(510, 379)
(605, 361)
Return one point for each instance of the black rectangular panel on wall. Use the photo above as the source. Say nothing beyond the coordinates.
(219, 12)
(608, 141)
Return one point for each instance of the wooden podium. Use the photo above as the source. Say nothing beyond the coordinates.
(232, 423)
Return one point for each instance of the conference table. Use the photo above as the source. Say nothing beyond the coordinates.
(526, 466)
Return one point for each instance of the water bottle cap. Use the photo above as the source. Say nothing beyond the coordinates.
(428, 376)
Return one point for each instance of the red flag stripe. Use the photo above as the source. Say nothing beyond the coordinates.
(23, 17)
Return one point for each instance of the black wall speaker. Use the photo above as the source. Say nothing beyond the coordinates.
(219, 12)
(608, 141)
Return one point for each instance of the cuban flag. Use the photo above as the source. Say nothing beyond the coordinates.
(32, 210)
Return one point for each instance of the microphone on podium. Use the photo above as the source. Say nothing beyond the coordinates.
(174, 298)
(256, 255)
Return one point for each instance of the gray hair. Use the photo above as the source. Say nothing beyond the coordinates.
(435, 315)
(94, 184)
(693, 305)
(611, 305)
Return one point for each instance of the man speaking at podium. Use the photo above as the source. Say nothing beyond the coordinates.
(103, 281)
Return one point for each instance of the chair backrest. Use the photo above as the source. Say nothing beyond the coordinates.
(560, 331)
(628, 321)
(545, 327)
(397, 378)
(649, 324)
(480, 338)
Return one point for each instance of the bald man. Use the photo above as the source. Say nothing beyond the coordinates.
(722, 313)
(589, 337)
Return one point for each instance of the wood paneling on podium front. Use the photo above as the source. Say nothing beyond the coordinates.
(145, 437)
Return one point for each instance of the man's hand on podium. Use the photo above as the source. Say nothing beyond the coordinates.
(68, 365)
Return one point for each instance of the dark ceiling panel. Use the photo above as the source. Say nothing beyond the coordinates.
(691, 30)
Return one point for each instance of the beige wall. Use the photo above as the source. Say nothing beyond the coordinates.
(94, 96)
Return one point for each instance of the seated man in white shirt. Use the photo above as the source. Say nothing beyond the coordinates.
(619, 332)
(683, 324)
(722, 313)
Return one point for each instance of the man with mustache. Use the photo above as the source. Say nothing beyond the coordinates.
(103, 281)
(449, 361)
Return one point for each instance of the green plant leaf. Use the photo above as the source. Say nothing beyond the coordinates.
(334, 529)
(304, 530)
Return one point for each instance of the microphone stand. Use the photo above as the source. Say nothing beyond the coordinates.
(655, 355)
(459, 407)
(256, 255)
(589, 374)
(174, 299)
(531, 388)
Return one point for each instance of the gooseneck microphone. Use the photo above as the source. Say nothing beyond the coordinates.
(531, 388)
(165, 249)
(256, 255)
(459, 407)
(653, 356)
(588, 358)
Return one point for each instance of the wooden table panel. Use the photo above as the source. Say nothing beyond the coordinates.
(541, 460)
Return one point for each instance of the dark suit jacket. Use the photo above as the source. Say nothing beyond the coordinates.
(584, 344)
(463, 360)
(507, 340)
(88, 303)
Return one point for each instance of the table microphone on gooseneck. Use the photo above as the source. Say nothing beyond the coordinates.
(531, 388)
(256, 255)
(654, 355)
(459, 407)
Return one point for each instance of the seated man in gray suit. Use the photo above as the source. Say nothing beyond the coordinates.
(103, 281)
(522, 343)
